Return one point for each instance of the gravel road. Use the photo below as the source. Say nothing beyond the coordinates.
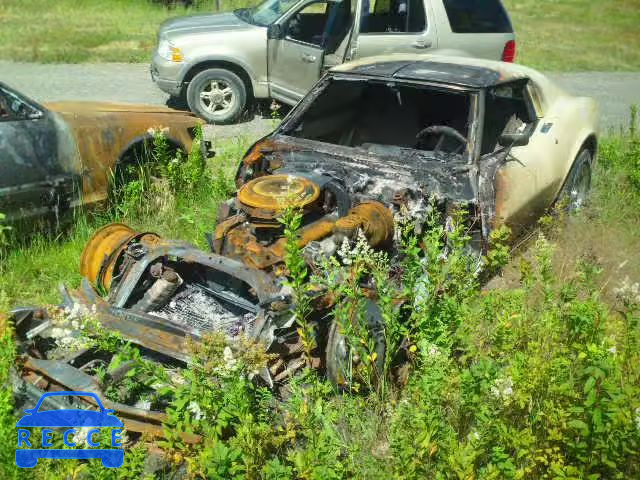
(132, 83)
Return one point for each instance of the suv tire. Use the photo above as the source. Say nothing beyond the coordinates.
(217, 95)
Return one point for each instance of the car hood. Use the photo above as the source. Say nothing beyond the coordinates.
(378, 172)
(203, 23)
(108, 107)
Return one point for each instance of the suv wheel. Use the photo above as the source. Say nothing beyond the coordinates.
(217, 95)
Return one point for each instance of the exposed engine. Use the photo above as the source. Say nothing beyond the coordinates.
(249, 229)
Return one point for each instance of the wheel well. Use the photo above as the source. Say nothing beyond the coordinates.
(141, 145)
(238, 70)
(591, 143)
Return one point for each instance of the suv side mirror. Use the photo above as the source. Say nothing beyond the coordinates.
(275, 32)
(519, 139)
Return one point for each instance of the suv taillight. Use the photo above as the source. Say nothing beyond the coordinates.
(509, 52)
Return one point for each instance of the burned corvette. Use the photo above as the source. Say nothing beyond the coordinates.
(372, 142)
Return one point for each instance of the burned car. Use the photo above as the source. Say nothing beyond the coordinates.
(57, 156)
(372, 140)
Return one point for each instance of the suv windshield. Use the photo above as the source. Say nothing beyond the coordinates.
(386, 116)
(265, 13)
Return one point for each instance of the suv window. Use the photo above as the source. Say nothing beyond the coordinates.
(323, 24)
(391, 16)
(474, 16)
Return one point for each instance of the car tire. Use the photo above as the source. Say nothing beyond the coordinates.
(338, 353)
(217, 95)
(576, 189)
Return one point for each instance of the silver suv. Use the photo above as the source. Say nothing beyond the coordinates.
(220, 63)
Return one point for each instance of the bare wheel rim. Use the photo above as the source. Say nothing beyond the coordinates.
(217, 97)
(580, 186)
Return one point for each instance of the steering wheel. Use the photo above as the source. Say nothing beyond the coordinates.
(442, 131)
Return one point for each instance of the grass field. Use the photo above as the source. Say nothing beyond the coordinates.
(577, 35)
(562, 35)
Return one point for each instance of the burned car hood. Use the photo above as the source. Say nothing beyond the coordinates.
(202, 23)
(378, 171)
(109, 107)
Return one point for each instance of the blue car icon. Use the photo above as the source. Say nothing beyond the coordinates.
(68, 418)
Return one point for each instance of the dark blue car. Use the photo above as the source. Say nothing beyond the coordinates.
(70, 418)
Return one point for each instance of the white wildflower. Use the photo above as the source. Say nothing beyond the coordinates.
(502, 388)
(473, 435)
(197, 412)
(80, 436)
(229, 360)
(344, 252)
(434, 351)
(143, 404)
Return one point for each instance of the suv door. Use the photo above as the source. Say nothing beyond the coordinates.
(395, 26)
(32, 182)
(298, 43)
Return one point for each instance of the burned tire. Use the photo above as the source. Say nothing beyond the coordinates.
(339, 360)
(217, 95)
(575, 192)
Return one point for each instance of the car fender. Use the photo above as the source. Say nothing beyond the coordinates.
(585, 111)
(140, 139)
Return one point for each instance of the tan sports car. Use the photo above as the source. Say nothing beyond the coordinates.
(60, 155)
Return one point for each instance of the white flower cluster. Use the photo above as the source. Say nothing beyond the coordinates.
(67, 328)
(229, 361)
(434, 351)
(502, 388)
(628, 293)
(153, 131)
(361, 250)
(80, 436)
(197, 412)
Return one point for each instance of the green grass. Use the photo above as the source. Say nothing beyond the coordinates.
(553, 35)
(577, 35)
(77, 31)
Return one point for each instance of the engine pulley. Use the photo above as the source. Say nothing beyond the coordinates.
(266, 197)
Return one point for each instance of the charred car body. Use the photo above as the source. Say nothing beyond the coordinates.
(58, 156)
(373, 140)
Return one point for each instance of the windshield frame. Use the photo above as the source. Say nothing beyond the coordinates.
(253, 15)
(471, 151)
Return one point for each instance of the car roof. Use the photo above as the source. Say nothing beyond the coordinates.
(463, 71)
(467, 72)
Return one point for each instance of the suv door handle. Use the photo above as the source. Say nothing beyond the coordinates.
(308, 58)
(422, 43)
